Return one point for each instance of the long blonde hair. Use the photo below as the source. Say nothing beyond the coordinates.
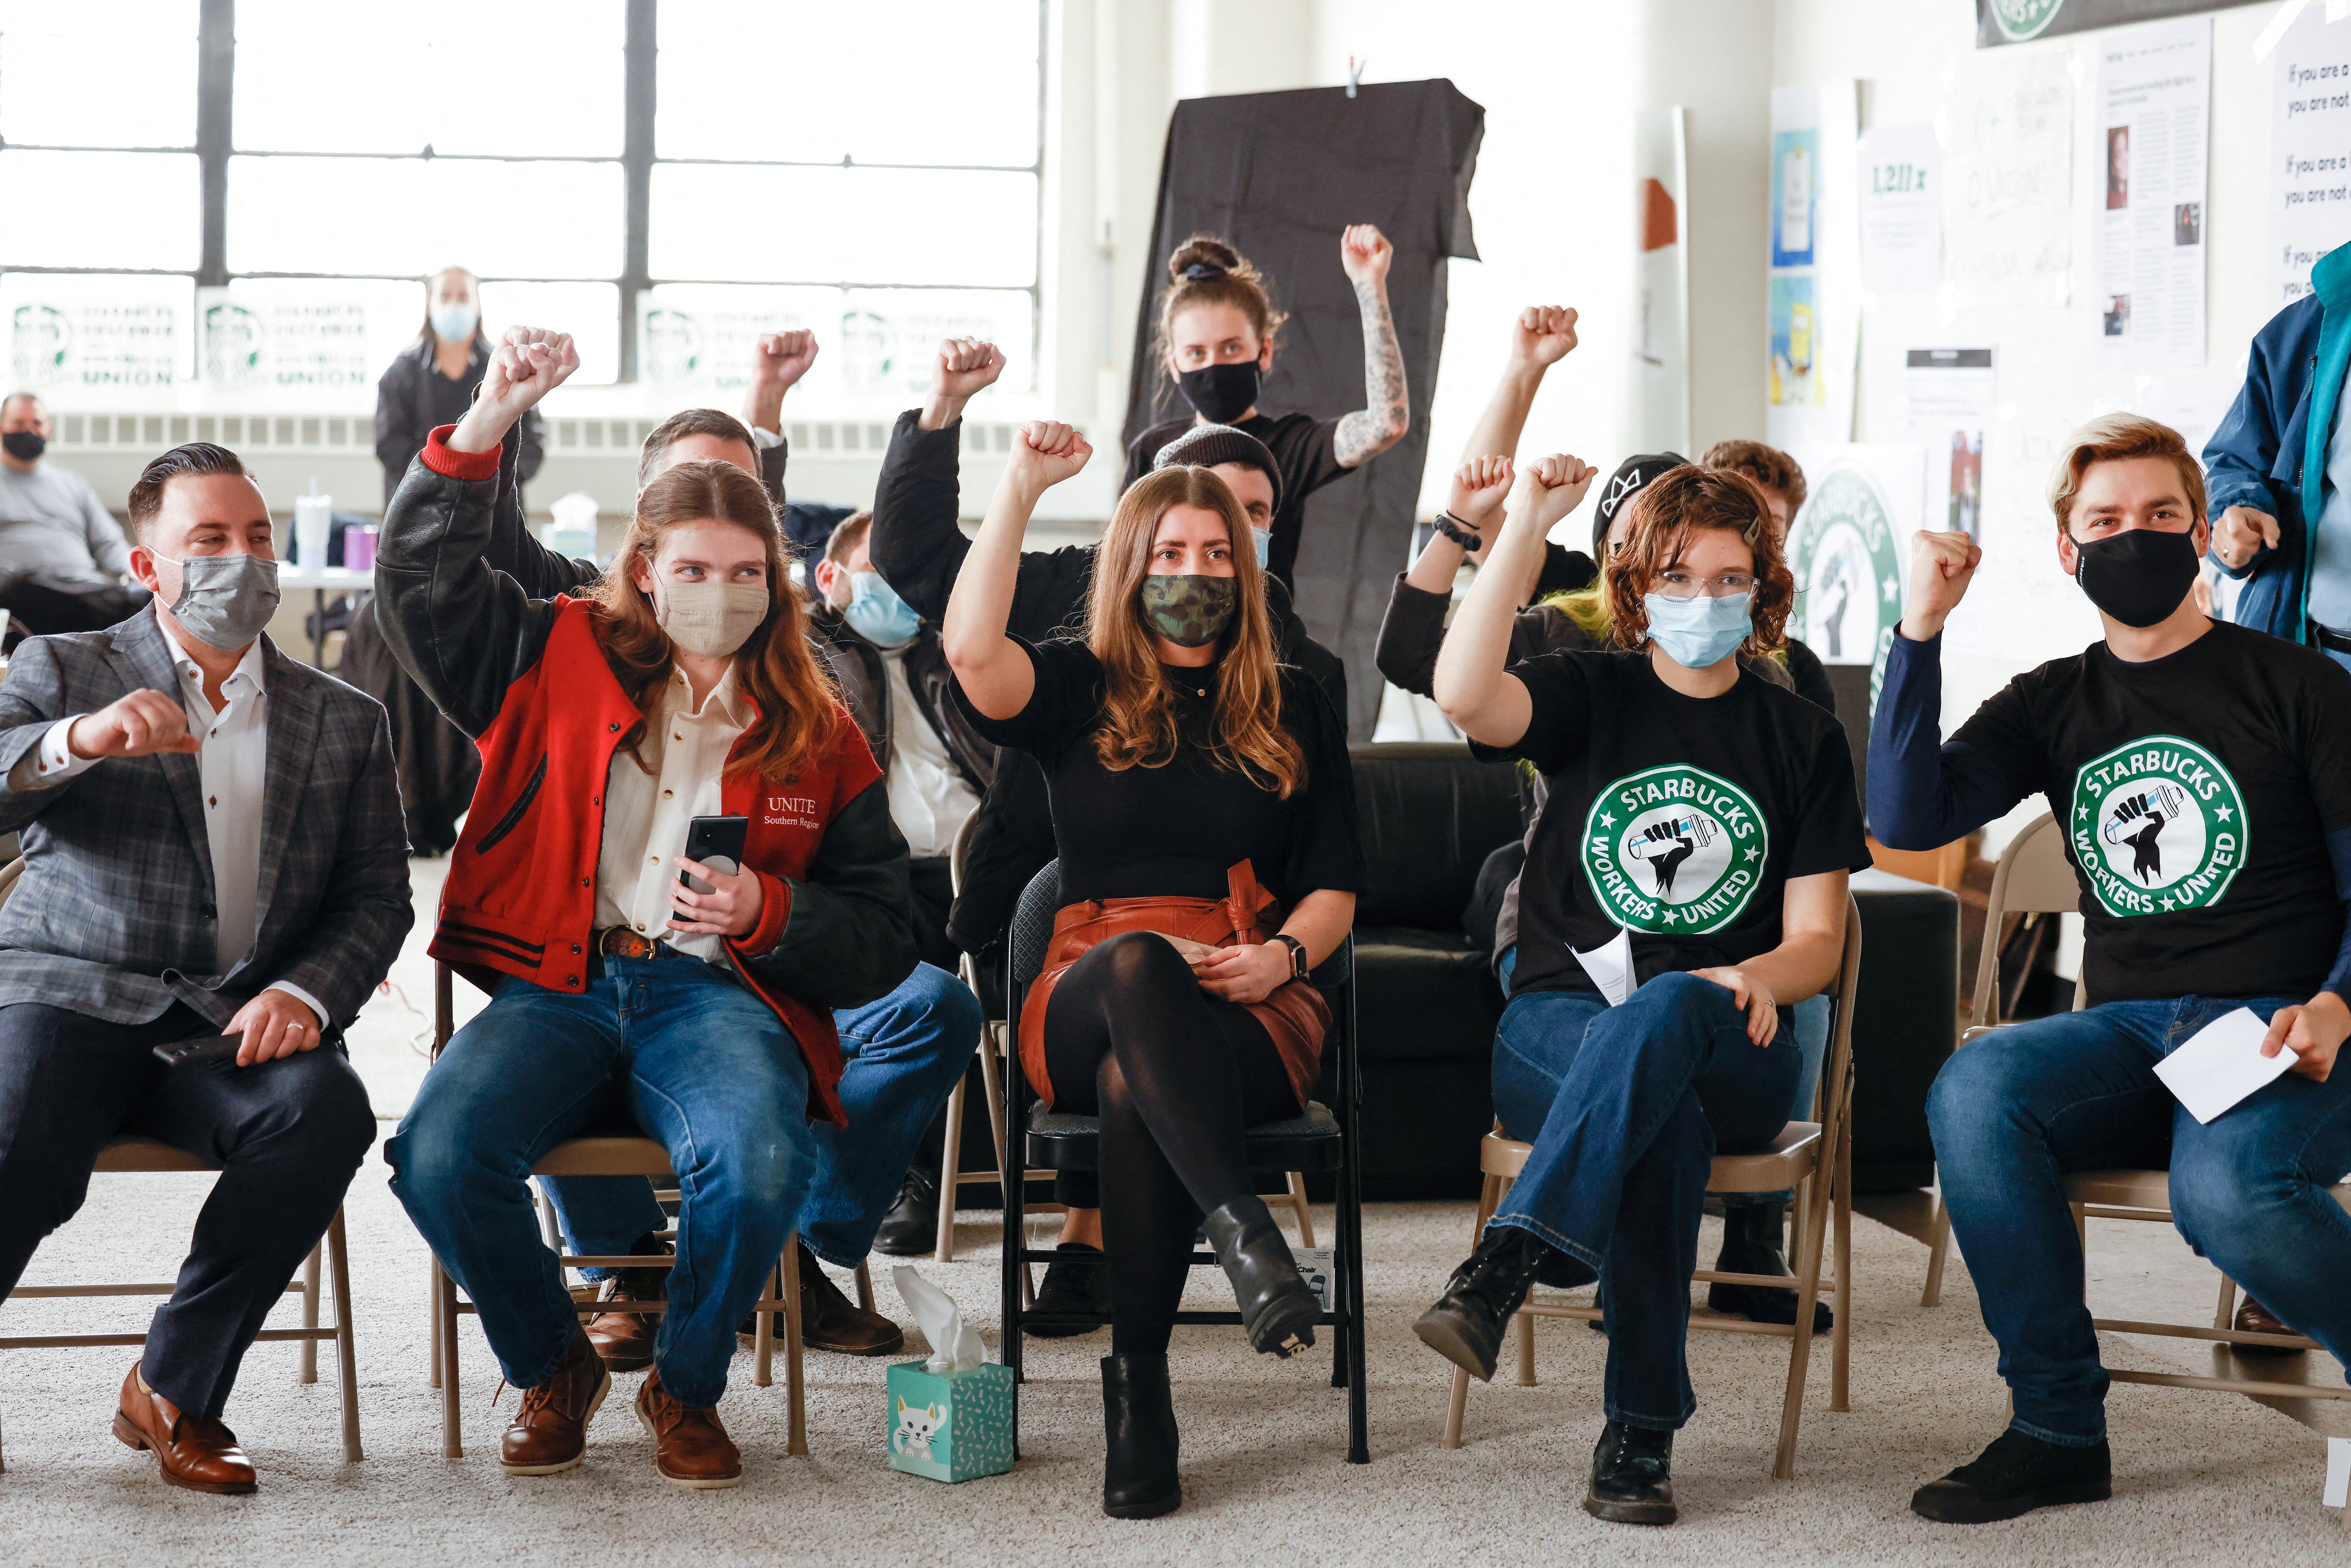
(775, 666)
(1138, 712)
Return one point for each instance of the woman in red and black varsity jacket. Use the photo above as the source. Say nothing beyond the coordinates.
(700, 1014)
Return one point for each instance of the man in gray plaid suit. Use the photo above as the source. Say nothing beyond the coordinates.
(213, 844)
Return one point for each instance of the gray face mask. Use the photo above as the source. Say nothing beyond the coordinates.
(225, 600)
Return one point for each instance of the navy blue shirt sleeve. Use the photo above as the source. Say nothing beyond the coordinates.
(1922, 792)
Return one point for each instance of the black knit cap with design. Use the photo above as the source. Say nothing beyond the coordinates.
(1206, 446)
(1632, 475)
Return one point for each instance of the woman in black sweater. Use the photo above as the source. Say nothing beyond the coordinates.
(1203, 814)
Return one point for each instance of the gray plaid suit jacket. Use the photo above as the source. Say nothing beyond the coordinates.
(115, 916)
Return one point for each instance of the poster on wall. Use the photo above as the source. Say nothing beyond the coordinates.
(2006, 127)
(2310, 149)
(301, 342)
(1951, 403)
(89, 339)
(2018, 21)
(2155, 97)
(876, 347)
(1812, 292)
(1849, 549)
(1901, 210)
(1660, 366)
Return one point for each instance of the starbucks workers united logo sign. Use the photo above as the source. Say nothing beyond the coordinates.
(1841, 550)
(2020, 19)
(2159, 826)
(1674, 849)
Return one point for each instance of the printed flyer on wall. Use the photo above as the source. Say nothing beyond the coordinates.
(2309, 149)
(2155, 96)
(1813, 292)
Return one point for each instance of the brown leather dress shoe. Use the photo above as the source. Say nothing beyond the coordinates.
(2256, 1318)
(550, 1431)
(690, 1447)
(830, 1321)
(190, 1451)
(625, 1339)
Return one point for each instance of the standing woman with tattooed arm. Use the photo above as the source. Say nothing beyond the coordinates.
(1216, 327)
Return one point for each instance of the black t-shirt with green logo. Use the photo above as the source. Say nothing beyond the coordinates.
(1677, 818)
(2196, 792)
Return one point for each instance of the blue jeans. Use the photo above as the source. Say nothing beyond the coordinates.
(2015, 1111)
(1809, 1018)
(1626, 1107)
(902, 1056)
(672, 1047)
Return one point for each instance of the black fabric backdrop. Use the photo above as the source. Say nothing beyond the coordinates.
(1280, 174)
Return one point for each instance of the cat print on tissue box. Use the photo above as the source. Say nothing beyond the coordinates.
(951, 1426)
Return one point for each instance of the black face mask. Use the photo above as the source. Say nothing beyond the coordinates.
(1220, 393)
(2138, 576)
(24, 446)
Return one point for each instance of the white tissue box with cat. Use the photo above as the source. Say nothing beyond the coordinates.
(951, 1415)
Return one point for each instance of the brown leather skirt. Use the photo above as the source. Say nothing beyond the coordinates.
(1294, 1013)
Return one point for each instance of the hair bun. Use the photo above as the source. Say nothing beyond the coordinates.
(1205, 256)
(1200, 271)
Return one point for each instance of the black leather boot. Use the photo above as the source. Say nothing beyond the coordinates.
(1139, 1478)
(1750, 1245)
(1466, 1324)
(1075, 1282)
(1631, 1476)
(911, 1226)
(1278, 1309)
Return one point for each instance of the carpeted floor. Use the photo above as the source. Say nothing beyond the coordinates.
(2201, 1478)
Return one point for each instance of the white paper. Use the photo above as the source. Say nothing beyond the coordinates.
(2155, 97)
(955, 1346)
(1610, 966)
(1901, 210)
(1813, 293)
(2310, 151)
(1952, 399)
(2221, 1063)
(2007, 134)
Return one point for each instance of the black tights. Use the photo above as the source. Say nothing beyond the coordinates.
(1175, 1074)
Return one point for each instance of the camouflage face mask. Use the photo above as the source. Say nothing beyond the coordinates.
(1189, 612)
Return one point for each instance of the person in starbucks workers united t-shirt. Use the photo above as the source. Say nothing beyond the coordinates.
(2201, 773)
(1706, 819)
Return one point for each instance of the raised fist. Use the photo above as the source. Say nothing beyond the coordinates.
(966, 365)
(1046, 453)
(1480, 487)
(1543, 334)
(779, 359)
(1553, 487)
(1941, 567)
(529, 363)
(1365, 254)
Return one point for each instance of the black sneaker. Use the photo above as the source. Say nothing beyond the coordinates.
(2014, 1475)
(1075, 1283)
(911, 1229)
(1752, 1245)
(1466, 1324)
(1631, 1476)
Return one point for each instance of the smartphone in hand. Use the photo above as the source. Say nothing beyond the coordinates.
(717, 842)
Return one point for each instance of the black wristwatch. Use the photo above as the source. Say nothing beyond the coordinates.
(1454, 529)
(1299, 967)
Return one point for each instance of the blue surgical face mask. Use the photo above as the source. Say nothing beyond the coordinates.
(1699, 633)
(876, 613)
(1264, 542)
(454, 322)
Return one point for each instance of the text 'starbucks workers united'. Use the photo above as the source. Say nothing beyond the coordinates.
(1674, 849)
(2159, 826)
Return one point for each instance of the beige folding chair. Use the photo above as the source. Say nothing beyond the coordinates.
(2034, 878)
(1815, 1158)
(142, 1154)
(618, 1156)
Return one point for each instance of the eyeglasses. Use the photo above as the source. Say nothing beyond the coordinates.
(1675, 583)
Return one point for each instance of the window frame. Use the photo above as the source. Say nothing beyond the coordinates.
(215, 148)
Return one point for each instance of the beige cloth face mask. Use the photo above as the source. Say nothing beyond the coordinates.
(711, 620)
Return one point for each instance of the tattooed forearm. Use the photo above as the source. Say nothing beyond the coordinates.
(1381, 423)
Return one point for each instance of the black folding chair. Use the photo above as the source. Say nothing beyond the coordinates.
(1315, 1141)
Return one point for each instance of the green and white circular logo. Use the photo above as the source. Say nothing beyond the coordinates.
(1841, 549)
(2020, 19)
(2159, 826)
(1674, 850)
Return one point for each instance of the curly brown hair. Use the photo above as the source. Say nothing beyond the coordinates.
(777, 669)
(1138, 712)
(1767, 466)
(1665, 513)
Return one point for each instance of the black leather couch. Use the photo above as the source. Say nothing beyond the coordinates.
(1426, 1002)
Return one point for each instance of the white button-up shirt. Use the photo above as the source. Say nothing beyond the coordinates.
(233, 766)
(646, 813)
(928, 798)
